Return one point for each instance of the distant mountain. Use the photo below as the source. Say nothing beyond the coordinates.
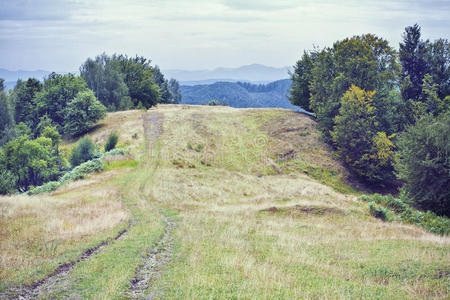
(251, 73)
(12, 76)
(240, 94)
(22, 74)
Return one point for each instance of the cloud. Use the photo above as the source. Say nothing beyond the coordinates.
(260, 4)
(37, 10)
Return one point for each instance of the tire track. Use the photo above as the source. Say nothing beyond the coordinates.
(59, 276)
(160, 254)
(151, 269)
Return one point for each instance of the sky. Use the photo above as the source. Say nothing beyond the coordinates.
(60, 35)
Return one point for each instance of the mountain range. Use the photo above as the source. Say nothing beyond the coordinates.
(255, 73)
(240, 94)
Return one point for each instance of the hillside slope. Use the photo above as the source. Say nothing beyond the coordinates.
(224, 203)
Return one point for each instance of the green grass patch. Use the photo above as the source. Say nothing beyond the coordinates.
(121, 164)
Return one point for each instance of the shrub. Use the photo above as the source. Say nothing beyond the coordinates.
(82, 152)
(406, 213)
(117, 151)
(111, 142)
(94, 165)
(380, 212)
(213, 102)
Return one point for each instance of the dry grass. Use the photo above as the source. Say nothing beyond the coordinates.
(253, 224)
(316, 243)
(38, 231)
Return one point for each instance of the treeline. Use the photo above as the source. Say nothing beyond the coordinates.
(35, 115)
(385, 112)
(122, 83)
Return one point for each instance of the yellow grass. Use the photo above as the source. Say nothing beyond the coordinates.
(263, 207)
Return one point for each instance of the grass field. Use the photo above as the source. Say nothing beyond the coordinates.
(262, 211)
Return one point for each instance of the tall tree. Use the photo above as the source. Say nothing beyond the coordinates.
(423, 162)
(365, 61)
(6, 115)
(412, 56)
(24, 102)
(368, 151)
(58, 91)
(301, 80)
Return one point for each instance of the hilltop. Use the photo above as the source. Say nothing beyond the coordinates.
(214, 202)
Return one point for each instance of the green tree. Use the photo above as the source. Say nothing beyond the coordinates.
(423, 162)
(24, 102)
(365, 149)
(438, 64)
(174, 88)
(104, 76)
(366, 61)
(138, 76)
(31, 161)
(111, 142)
(58, 91)
(412, 55)
(82, 112)
(6, 115)
(82, 152)
(301, 80)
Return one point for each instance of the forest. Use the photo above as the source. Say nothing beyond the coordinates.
(386, 113)
(35, 115)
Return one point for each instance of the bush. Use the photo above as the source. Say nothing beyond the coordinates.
(380, 212)
(82, 170)
(94, 165)
(423, 162)
(7, 182)
(111, 142)
(384, 206)
(82, 152)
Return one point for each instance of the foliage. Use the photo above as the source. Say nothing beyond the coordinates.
(213, 102)
(122, 83)
(91, 166)
(412, 58)
(301, 80)
(365, 61)
(82, 112)
(83, 151)
(23, 99)
(407, 214)
(169, 90)
(104, 76)
(6, 114)
(380, 212)
(8, 182)
(32, 162)
(368, 151)
(423, 161)
(58, 91)
(116, 151)
(111, 142)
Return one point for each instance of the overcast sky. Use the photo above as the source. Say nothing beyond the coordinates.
(199, 34)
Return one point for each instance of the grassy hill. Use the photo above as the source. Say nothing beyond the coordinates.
(240, 95)
(223, 203)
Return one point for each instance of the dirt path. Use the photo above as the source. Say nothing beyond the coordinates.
(161, 253)
(57, 280)
(150, 270)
